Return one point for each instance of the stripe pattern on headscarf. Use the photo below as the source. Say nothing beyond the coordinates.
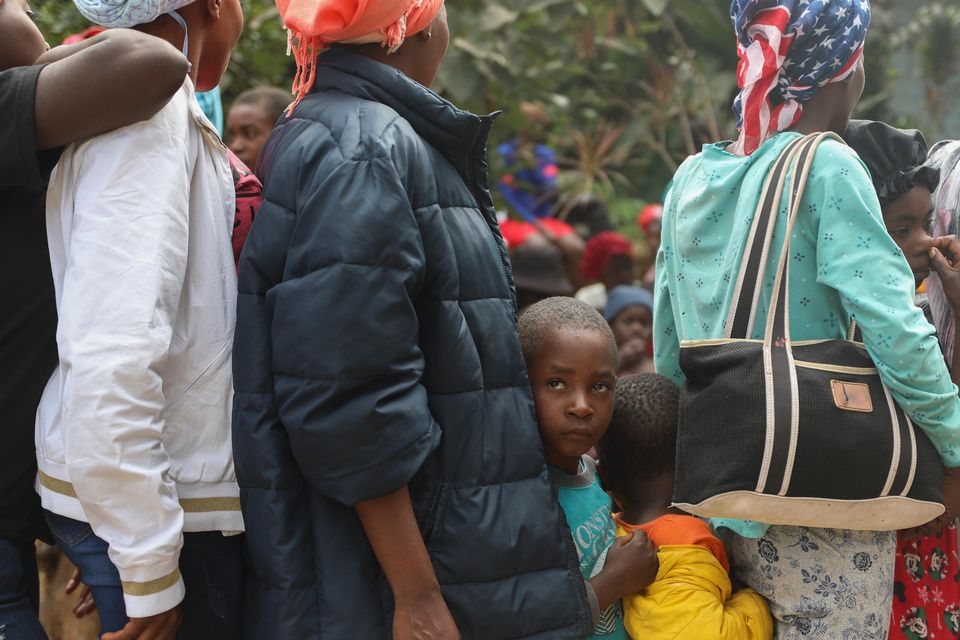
(788, 49)
(314, 25)
(126, 13)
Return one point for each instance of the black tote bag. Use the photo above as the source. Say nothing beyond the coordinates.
(795, 433)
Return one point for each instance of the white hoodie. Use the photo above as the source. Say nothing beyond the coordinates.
(133, 429)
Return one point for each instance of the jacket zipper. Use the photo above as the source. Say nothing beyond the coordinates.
(503, 261)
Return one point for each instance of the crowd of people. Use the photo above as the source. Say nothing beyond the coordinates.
(310, 384)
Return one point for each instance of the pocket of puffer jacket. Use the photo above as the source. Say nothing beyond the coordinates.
(434, 520)
(429, 495)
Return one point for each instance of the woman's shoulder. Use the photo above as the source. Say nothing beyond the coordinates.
(361, 128)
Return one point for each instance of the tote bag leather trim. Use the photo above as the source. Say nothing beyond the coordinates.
(889, 513)
(712, 342)
(897, 443)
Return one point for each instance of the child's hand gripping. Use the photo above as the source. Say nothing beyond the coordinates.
(945, 260)
(631, 567)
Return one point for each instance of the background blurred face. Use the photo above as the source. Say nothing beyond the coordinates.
(21, 42)
(248, 127)
(909, 221)
(633, 323)
(225, 27)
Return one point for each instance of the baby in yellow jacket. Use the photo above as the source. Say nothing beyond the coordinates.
(692, 597)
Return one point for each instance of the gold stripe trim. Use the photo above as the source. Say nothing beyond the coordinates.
(189, 505)
(57, 486)
(151, 587)
(837, 368)
(206, 505)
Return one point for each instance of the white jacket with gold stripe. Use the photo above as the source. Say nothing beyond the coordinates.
(133, 429)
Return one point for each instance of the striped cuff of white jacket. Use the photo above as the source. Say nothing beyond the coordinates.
(150, 597)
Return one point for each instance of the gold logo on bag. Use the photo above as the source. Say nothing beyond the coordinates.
(852, 396)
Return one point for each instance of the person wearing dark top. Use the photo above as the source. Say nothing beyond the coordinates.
(48, 98)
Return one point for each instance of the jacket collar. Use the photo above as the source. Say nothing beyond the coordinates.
(459, 135)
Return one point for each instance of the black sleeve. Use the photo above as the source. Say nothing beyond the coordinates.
(21, 165)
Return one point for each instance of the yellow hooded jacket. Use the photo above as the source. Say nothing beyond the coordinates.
(692, 599)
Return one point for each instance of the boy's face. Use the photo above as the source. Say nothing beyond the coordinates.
(573, 377)
(909, 221)
(633, 323)
(248, 127)
(21, 42)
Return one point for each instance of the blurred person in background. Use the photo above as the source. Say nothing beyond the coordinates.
(251, 120)
(607, 262)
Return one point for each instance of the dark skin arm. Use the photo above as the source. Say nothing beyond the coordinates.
(420, 612)
(945, 260)
(115, 79)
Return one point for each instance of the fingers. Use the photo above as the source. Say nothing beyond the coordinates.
(73, 582)
(947, 248)
(625, 540)
(949, 245)
(129, 632)
(939, 263)
(85, 604)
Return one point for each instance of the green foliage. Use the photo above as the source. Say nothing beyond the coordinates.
(623, 89)
(935, 32)
(628, 88)
(259, 58)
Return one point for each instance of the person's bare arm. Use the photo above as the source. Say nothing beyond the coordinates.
(391, 528)
(114, 79)
(945, 260)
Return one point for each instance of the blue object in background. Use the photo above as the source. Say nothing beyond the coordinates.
(212, 107)
(528, 190)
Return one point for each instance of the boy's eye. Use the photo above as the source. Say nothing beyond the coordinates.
(901, 232)
(601, 387)
(555, 384)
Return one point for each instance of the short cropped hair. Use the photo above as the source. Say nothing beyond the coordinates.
(272, 100)
(641, 442)
(560, 312)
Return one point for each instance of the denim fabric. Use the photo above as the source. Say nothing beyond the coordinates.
(212, 569)
(89, 554)
(19, 592)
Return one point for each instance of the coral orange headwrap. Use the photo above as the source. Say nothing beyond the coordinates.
(317, 24)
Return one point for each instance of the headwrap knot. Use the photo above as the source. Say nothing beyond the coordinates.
(788, 49)
(315, 25)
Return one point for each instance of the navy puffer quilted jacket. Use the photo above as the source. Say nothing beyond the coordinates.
(376, 345)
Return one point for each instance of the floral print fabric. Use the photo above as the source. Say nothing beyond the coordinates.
(820, 583)
(926, 600)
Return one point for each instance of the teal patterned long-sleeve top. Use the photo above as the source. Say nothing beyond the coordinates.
(843, 265)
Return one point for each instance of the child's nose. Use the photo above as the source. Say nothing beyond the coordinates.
(580, 407)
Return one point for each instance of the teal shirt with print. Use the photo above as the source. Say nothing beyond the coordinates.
(843, 265)
(587, 508)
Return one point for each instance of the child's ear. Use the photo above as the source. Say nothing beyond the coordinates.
(213, 9)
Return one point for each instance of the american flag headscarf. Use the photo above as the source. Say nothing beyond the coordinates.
(788, 49)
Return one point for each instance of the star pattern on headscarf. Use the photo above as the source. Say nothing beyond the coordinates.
(806, 44)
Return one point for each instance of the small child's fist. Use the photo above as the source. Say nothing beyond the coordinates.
(633, 564)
